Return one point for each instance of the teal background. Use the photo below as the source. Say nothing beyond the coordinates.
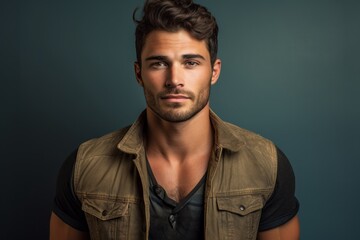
(291, 72)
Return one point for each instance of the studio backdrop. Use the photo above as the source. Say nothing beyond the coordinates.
(290, 73)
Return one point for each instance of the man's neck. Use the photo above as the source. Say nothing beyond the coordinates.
(179, 141)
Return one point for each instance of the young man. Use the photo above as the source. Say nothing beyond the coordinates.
(179, 172)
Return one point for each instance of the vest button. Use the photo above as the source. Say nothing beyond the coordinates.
(242, 208)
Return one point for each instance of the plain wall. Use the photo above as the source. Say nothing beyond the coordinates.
(291, 72)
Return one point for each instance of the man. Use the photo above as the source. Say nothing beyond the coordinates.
(179, 172)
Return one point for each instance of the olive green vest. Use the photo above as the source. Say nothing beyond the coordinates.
(111, 181)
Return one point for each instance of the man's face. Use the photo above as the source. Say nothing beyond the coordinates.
(176, 75)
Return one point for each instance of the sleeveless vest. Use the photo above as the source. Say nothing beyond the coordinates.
(111, 181)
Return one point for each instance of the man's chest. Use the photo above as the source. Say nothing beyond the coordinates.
(177, 181)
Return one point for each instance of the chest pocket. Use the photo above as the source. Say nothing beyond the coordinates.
(240, 215)
(107, 219)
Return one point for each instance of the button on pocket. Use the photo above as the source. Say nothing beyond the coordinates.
(107, 218)
(104, 213)
(241, 205)
(239, 215)
(105, 209)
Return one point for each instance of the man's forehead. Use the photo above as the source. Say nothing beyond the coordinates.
(160, 42)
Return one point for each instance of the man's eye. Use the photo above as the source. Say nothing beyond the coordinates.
(191, 64)
(158, 65)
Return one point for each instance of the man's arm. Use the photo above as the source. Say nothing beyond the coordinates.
(62, 231)
(67, 219)
(287, 231)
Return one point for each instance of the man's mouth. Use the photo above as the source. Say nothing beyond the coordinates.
(174, 96)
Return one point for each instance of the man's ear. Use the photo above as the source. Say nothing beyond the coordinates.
(216, 71)
(137, 70)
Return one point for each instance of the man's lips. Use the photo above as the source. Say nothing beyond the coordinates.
(175, 96)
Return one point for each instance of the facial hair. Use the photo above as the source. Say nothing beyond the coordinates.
(172, 112)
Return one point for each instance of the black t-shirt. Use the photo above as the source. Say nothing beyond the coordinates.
(280, 208)
(176, 220)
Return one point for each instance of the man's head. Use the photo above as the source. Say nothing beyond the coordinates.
(176, 45)
(173, 16)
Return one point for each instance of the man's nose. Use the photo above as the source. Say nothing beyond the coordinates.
(175, 76)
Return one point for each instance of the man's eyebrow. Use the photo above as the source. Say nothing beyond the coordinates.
(190, 56)
(164, 58)
(159, 58)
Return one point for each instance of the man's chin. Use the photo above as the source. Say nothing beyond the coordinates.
(176, 115)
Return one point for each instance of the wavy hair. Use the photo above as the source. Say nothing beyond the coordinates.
(172, 16)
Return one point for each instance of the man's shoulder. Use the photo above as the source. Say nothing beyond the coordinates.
(106, 144)
(236, 137)
(111, 136)
(246, 134)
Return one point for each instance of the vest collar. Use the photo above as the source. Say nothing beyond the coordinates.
(132, 142)
(225, 137)
(225, 134)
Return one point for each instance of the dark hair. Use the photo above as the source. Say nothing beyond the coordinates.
(172, 16)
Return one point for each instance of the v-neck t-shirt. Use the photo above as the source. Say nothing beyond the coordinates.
(176, 220)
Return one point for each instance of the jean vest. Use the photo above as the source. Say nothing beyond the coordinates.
(111, 181)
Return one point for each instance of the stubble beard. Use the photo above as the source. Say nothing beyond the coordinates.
(172, 112)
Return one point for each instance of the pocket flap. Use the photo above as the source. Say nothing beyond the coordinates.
(105, 209)
(241, 205)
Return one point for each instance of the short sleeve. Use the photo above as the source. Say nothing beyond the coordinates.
(282, 205)
(66, 205)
